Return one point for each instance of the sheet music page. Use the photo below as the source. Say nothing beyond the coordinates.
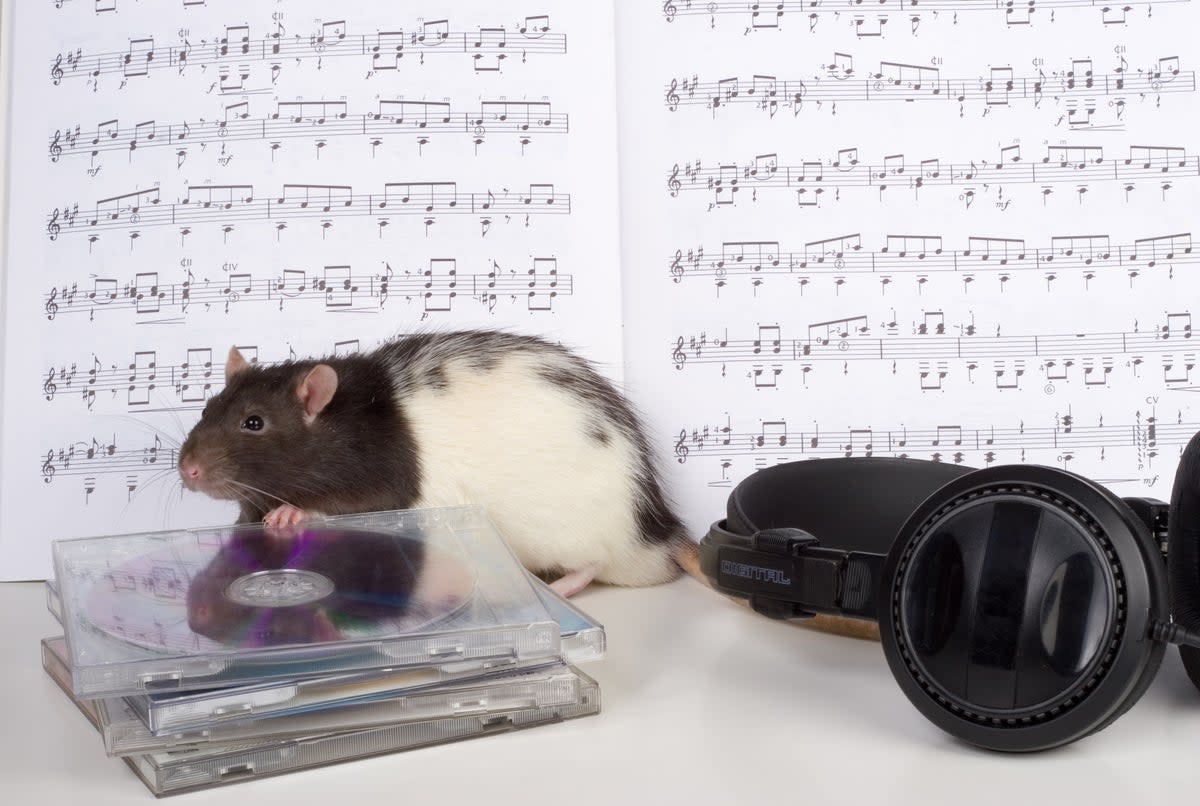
(300, 178)
(943, 229)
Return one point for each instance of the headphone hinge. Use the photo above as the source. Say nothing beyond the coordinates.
(1155, 515)
(786, 542)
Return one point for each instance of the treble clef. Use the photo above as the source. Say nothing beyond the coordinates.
(669, 10)
(55, 148)
(677, 355)
(49, 387)
(673, 184)
(51, 305)
(676, 269)
(53, 227)
(673, 96)
(681, 450)
(48, 467)
(56, 72)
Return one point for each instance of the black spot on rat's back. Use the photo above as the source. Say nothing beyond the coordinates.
(598, 434)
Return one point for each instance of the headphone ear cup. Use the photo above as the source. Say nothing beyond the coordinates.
(1014, 606)
(1183, 550)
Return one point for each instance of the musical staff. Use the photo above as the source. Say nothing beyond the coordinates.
(908, 83)
(101, 456)
(1089, 358)
(222, 205)
(144, 383)
(316, 120)
(336, 288)
(919, 257)
(1154, 166)
(488, 48)
(101, 7)
(1063, 440)
(909, 13)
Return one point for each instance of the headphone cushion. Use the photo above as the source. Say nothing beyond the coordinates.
(1183, 550)
(1191, 663)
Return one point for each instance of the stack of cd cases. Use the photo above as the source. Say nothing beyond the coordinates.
(208, 656)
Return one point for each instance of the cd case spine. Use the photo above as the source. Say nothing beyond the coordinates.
(174, 772)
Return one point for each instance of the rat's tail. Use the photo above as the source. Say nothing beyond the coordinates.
(686, 553)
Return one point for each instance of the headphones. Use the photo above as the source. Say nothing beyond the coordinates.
(1020, 607)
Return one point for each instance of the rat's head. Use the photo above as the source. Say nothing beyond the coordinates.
(256, 438)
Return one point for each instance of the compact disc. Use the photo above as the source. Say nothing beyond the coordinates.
(253, 587)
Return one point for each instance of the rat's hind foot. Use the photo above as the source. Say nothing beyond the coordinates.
(572, 583)
(286, 515)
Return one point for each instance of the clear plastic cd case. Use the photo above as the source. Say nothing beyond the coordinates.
(173, 772)
(582, 640)
(125, 734)
(210, 608)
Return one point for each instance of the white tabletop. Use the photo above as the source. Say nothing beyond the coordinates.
(703, 702)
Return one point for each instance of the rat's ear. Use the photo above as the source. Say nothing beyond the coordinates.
(235, 363)
(316, 390)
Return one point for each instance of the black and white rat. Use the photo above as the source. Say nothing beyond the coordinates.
(514, 423)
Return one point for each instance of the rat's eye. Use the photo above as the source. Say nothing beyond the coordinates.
(253, 423)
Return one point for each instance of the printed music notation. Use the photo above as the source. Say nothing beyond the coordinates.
(222, 205)
(1074, 166)
(100, 456)
(191, 381)
(106, 6)
(142, 382)
(488, 48)
(1089, 358)
(921, 256)
(771, 15)
(1061, 442)
(895, 81)
(336, 288)
(316, 120)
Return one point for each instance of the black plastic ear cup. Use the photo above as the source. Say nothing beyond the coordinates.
(1017, 605)
(1183, 550)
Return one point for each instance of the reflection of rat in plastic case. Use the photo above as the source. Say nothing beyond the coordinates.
(415, 627)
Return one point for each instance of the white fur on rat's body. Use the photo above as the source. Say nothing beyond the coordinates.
(510, 441)
(529, 432)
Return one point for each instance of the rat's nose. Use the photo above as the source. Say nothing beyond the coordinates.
(190, 470)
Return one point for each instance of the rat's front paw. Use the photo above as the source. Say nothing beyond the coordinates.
(286, 515)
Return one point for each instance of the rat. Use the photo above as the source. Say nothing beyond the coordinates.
(513, 423)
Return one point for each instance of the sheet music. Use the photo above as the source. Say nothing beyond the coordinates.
(960, 231)
(294, 178)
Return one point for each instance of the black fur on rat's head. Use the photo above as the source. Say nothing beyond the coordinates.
(323, 436)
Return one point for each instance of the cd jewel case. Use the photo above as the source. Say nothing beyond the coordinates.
(211, 608)
(125, 734)
(582, 640)
(176, 771)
